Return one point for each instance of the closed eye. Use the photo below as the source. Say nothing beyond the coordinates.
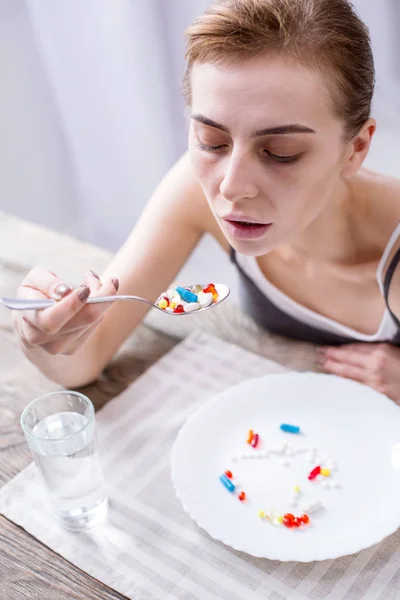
(282, 159)
(208, 148)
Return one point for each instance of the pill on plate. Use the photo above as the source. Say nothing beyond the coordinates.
(227, 483)
(279, 449)
(312, 507)
(325, 472)
(334, 484)
(310, 457)
(290, 428)
(331, 464)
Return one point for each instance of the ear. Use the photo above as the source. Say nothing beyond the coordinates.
(359, 148)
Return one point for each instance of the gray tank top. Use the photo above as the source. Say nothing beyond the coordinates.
(269, 316)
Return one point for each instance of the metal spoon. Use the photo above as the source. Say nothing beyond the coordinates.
(26, 304)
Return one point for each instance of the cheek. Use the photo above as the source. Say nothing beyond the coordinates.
(205, 169)
(307, 193)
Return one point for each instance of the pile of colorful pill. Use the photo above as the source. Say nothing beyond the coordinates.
(186, 300)
(321, 472)
(288, 520)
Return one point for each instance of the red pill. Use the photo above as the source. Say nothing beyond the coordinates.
(288, 517)
(305, 519)
(242, 496)
(288, 523)
(297, 522)
(179, 309)
(229, 474)
(254, 440)
(314, 473)
(210, 288)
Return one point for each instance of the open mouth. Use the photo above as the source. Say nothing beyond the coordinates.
(248, 224)
(247, 229)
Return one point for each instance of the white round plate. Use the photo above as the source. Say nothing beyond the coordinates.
(342, 419)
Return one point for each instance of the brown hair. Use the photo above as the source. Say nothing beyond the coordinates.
(326, 35)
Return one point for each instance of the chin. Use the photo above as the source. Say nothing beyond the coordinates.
(252, 248)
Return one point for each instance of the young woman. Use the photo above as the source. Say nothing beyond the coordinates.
(279, 94)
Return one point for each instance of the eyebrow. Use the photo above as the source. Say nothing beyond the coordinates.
(279, 130)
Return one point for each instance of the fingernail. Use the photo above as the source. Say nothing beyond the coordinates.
(115, 284)
(84, 292)
(93, 274)
(61, 290)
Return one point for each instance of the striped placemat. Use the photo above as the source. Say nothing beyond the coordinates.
(150, 548)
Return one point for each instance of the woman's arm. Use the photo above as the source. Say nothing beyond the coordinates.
(168, 230)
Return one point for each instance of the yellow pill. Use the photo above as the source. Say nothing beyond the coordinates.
(296, 488)
(163, 304)
(261, 514)
(279, 519)
(172, 304)
(325, 472)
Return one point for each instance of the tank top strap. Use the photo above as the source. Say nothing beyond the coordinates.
(387, 281)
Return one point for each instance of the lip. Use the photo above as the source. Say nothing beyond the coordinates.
(246, 232)
(244, 218)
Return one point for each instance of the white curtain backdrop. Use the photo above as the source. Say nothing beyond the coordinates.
(91, 115)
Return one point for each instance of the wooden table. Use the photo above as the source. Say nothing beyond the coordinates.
(28, 569)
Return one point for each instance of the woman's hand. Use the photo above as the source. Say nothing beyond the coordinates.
(66, 326)
(376, 365)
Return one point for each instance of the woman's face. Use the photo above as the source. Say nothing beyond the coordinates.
(266, 147)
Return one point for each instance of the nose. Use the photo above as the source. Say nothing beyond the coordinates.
(238, 181)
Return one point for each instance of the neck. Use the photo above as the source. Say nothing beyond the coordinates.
(331, 236)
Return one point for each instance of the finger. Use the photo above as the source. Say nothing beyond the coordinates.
(346, 355)
(35, 337)
(64, 344)
(23, 339)
(44, 284)
(345, 370)
(82, 339)
(92, 280)
(51, 320)
(362, 348)
(93, 312)
(72, 310)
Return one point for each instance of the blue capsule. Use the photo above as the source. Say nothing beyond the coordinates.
(227, 483)
(187, 295)
(290, 428)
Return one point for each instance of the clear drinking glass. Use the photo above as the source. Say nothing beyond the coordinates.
(60, 430)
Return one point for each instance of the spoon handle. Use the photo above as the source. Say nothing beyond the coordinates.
(40, 304)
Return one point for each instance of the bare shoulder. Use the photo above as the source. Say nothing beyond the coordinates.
(191, 201)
